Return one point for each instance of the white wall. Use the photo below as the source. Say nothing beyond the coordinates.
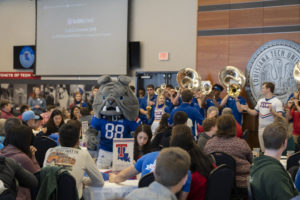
(17, 27)
(165, 25)
(160, 25)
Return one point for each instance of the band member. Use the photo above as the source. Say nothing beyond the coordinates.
(267, 108)
(148, 100)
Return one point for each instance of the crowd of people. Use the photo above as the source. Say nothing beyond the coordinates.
(174, 138)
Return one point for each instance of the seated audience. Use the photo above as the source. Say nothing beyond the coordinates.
(5, 107)
(23, 108)
(46, 115)
(2, 133)
(269, 179)
(201, 165)
(54, 123)
(77, 161)
(142, 141)
(212, 112)
(169, 178)
(239, 132)
(18, 140)
(11, 170)
(163, 139)
(209, 130)
(226, 141)
(75, 113)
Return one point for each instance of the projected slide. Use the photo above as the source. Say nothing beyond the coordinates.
(81, 37)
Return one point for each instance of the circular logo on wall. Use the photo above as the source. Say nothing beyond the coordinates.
(26, 57)
(273, 62)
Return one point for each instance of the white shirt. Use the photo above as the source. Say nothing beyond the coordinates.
(262, 107)
(77, 162)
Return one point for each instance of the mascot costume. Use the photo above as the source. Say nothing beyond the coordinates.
(116, 109)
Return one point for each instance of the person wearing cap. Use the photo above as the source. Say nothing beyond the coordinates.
(213, 99)
(32, 120)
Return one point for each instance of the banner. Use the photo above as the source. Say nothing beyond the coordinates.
(18, 75)
(122, 153)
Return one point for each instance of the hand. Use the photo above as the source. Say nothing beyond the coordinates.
(270, 108)
(296, 95)
(44, 130)
(112, 177)
(245, 107)
(33, 150)
(151, 103)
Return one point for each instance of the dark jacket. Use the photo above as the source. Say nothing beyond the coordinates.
(162, 140)
(11, 170)
(269, 180)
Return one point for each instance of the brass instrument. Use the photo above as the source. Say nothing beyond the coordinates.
(233, 79)
(161, 89)
(206, 87)
(296, 72)
(190, 79)
(148, 107)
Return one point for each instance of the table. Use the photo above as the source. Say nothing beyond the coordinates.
(110, 190)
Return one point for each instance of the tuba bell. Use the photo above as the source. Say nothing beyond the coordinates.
(188, 78)
(233, 79)
(296, 72)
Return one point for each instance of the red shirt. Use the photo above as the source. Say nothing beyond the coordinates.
(296, 121)
(239, 131)
(6, 115)
(198, 187)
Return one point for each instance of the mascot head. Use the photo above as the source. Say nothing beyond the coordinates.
(115, 100)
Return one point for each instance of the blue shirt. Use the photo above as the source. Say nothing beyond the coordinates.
(112, 129)
(143, 105)
(232, 104)
(192, 113)
(147, 163)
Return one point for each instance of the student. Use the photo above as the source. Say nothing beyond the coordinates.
(78, 101)
(267, 108)
(77, 161)
(18, 140)
(37, 102)
(269, 179)
(142, 141)
(201, 164)
(193, 114)
(169, 178)
(5, 107)
(210, 129)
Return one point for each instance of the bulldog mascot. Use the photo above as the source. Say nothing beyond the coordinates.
(116, 109)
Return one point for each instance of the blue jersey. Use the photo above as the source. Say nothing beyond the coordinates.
(210, 102)
(169, 105)
(192, 113)
(112, 129)
(232, 104)
(147, 163)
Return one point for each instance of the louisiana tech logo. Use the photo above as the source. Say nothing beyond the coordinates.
(26, 57)
(273, 62)
(122, 154)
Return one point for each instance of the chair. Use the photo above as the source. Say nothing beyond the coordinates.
(42, 144)
(220, 183)
(245, 134)
(146, 180)
(250, 190)
(224, 158)
(66, 187)
(293, 160)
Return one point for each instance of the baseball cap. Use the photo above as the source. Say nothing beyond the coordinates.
(217, 87)
(28, 115)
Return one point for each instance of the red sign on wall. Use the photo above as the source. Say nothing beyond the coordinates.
(18, 75)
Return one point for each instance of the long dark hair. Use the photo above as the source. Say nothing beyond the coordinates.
(20, 137)
(51, 128)
(182, 137)
(147, 147)
(163, 124)
(72, 112)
